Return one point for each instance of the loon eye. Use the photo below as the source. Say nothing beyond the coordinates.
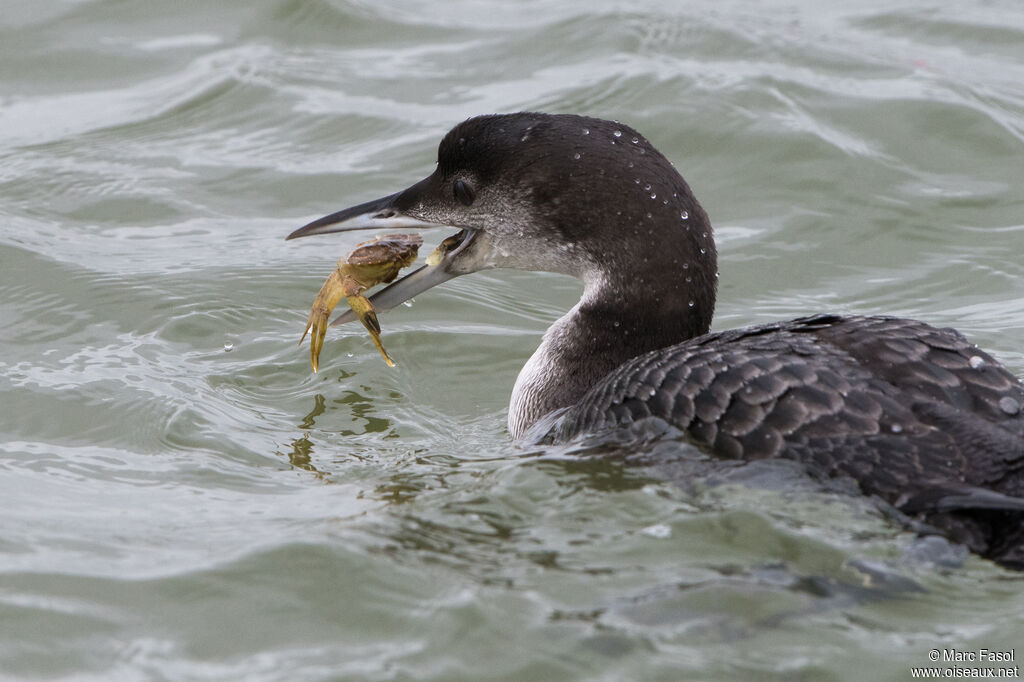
(464, 194)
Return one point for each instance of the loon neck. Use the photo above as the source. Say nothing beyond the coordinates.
(617, 318)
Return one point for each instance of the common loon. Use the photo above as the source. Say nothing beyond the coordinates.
(916, 415)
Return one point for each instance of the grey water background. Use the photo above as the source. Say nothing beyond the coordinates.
(183, 499)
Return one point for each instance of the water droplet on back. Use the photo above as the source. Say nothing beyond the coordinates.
(1009, 405)
(976, 362)
(685, 214)
(617, 133)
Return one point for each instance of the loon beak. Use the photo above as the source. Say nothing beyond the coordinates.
(385, 214)
(379, 214)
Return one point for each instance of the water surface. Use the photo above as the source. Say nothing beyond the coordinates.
(184, 499)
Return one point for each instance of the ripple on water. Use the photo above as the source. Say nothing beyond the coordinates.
(367, 522)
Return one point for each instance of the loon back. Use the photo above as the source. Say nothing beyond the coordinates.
(914, 414)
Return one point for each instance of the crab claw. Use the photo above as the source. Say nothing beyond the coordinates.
(330, 293)
(363, 309)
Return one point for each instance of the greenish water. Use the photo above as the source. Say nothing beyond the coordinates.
(173, 509)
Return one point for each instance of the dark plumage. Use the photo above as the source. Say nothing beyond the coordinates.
(916, 415)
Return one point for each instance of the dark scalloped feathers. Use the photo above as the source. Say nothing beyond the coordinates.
(915, 414)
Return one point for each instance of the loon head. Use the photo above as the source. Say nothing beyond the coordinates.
(556, 193)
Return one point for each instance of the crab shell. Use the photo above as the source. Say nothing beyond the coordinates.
(378, 261)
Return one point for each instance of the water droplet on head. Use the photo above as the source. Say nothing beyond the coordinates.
(896, 428)
(1009, 405)
(703, 251)
(616, 323)
(586, 131)
(654, 195)
(685, 214)
(691, 303)
(576, 156)
(636, 140)
(648, 216)
(647, 187)
(976, 362)
(686, 266)
(617, 133)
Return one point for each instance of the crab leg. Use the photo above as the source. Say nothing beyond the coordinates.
(363, 309)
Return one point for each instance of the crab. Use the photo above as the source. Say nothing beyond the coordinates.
(370, 263)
